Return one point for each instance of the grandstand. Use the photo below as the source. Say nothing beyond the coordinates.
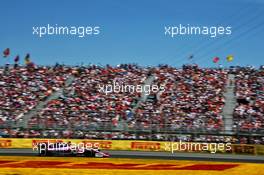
(198, 104)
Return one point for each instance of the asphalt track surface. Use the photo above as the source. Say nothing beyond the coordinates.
(156, 155)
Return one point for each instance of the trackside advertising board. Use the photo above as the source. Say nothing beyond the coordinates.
(137, 145)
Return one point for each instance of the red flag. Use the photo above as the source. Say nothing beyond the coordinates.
(6, 52)
(216, 59)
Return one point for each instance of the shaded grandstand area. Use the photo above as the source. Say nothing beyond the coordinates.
(65, 102)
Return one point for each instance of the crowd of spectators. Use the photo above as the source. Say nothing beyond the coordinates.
(192, 101)
(249, 112)
(21, 89)
(83, 105)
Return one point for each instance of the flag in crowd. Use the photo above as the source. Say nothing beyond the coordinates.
(6, 52)
(28, 62)
(216, 59)
(229, 58)
(16, 59)
(191, 57)
(27, 59)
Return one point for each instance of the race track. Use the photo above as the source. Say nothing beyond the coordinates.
(25, 161)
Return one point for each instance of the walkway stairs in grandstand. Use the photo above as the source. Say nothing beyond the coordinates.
(230, 104)
(144, 94)
(42, 104)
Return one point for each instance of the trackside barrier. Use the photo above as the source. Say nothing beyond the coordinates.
(139, 145)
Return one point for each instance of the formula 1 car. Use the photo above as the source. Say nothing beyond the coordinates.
(65, 149)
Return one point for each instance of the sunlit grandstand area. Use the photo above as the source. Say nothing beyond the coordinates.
(198, 104)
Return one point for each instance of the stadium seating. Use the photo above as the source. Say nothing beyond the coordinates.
(22, 89)
(192, 102)
(249, 113)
